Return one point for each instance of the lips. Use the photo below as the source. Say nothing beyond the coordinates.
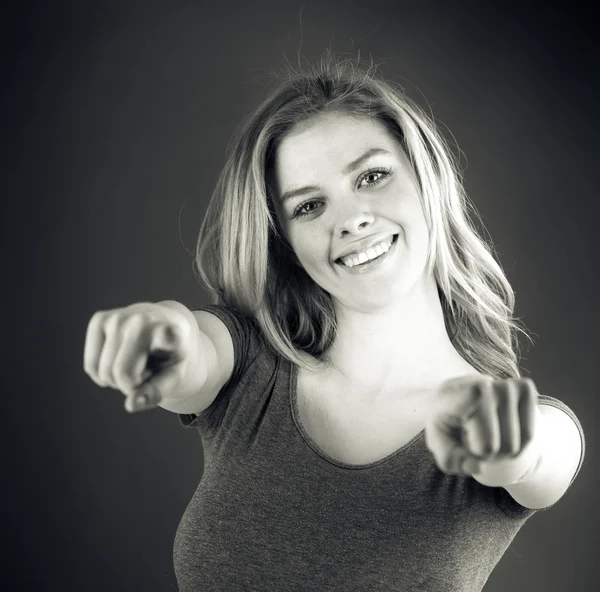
(365, 244)
(382, 239)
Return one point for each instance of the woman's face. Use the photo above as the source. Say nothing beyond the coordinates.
(346, 198)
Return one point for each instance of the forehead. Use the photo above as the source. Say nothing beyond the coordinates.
(329, 139)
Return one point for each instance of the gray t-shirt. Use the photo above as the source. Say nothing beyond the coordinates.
(273, 512)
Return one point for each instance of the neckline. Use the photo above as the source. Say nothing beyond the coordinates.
(293, 398)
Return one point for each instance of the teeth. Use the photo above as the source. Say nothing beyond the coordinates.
(370, 253)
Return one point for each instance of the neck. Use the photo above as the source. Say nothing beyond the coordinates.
(387, 349)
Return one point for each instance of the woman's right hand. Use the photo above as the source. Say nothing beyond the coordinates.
(145, 350)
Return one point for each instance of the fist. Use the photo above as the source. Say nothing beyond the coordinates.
(142, 350)
(477, 419)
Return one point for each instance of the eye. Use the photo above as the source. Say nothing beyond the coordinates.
(381, 173)
(299, 210)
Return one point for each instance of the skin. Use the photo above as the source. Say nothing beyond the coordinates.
(392, 339)
(392, 350)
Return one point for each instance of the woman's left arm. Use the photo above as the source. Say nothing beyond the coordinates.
(495, 431)
(558, 449)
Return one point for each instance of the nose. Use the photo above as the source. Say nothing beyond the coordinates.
(355, 223)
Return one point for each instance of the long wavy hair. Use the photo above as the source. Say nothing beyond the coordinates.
(246, 263)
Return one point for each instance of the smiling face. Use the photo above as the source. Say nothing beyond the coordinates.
(339, 179)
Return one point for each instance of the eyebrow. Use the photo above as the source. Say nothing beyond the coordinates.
(346, 171)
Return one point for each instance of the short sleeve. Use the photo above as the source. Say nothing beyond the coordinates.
(243, 334)
(505, 501)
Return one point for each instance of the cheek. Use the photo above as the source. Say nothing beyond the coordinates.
(310, 248)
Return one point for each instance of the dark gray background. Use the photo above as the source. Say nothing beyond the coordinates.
(117, 118)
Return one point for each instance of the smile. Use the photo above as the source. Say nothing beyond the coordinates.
(371, 264)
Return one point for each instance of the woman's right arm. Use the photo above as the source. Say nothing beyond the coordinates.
(177, 358)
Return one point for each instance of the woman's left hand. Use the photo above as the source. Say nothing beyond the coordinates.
(478, 419)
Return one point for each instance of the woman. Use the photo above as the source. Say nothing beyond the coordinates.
(364, 421)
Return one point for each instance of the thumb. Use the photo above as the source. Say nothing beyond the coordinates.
(168, 348)
(164, 350)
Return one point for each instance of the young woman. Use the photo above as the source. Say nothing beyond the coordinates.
(355, 381)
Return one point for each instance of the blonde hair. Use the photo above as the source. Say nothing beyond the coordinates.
(246, 263)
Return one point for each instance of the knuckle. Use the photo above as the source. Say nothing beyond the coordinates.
(111, 322)
(516, 390)
(132, 327)
(483, 389)
(137, 318)
(98, 316)
(147, 310)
